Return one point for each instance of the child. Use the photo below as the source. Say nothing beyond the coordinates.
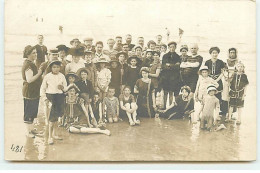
(138, 52)
(92, 68)
(238, 89)
(115, 75)
(112, 106)
(96, 105)
(122, 58)
(103, 77)
(202, 84)
(132, 71)
(77, 53)
(63, 51)
(75, 109)
(148, 60)
(183, 105)
(71, 78)
(210, 105)
(128, 104)
(53, 86)
(163, 51)
(155, 71)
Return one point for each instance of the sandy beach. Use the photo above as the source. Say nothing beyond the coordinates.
(154, 139)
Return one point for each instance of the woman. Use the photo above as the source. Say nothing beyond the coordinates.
(216, 67)
(144, 88)
(155, 71)
(31, 87)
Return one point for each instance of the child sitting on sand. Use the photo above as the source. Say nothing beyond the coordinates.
(210, 105)
(75, 109)
(96, 106)
(112, 106)
(128, 104)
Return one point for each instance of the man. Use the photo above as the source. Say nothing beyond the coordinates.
(89, 44)
(128, 41)
(159, 41)
(74, 42)
(99, 52)
(125, 48)
(140, 41)
(92, 68)
(110, 51)
(170, 75)
(190, 67)
(118, 45)
(41, 51)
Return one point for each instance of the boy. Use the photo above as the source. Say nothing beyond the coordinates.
(53, 86)
(118, 45)
(99, 52)
(41, 51)
(112, 106)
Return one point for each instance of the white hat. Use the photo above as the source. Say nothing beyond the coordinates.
(211, 88)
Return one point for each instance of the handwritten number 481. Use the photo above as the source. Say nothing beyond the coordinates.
(16, 148)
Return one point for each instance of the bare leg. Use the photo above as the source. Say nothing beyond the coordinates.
(131, 122)
(230, 113)
(170, 97)
(47, 111)
(94, 130)
(74, 129)
(85, 110)
(134, 107)
(50, 140)
(239, 112)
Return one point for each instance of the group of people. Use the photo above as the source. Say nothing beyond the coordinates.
(85, 86)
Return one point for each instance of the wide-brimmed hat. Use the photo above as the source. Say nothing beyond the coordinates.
(184, 47)
(172, 42)
(102, 60)
(114, 59)
(57, 62)
(62, 47)
(72, 74)
(53, 51)
(149, 50)
(136, 58)
(78, 51)
(187, 88)
(214, 48)
(73, 86)
(211, 88)
(88, 39)
(73, 40)
(85, 70)
(120, 53)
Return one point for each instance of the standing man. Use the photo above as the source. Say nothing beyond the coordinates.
(159, 41)
(99, 52)
(128, 41)
(140, 41)
(89, 44)
(125, 48)
(74, 42)
(170, 75)
(41, 51)
(118, 45)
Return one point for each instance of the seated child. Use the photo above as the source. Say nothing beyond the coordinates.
(96, 106)
(128, 104)
(112, 106)
(75, 110)
(183, 105)
(210, 104)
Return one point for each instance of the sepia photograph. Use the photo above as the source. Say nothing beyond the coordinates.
(130, 80)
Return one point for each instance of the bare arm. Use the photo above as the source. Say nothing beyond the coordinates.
(29, 75)
(157, 73)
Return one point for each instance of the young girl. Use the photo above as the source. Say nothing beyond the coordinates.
(148, 60)
(132, 71)
(77, 53)
(146, 98)
(75, 109)
(128, 104)
(155, 71)
(63, 51)
(112, 106)
(238, 89)
(138, 52)
(183, 105)
(115, 75)
(202, 84)
(210, 105)
(103, 77)
(53, 86)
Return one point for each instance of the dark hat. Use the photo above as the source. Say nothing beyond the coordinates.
(134, 57)
(78, 51)
(56, 62)
(88, 52)
(187, 88)
(172, 42)
(150, 42)
(146, 69)
(73, 40)
(28, 50)
(184, 47)
(149, 50)
(164, 45)
(156, 52)
(85, 70)
(88, 39)
(214, 48)
(119, 53)
(234, 49)
(53, 51)
(72, 74)
(73, 86)
(114, 59)
(62, 47)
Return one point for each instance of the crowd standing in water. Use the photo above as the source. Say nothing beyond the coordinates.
(85, 86)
